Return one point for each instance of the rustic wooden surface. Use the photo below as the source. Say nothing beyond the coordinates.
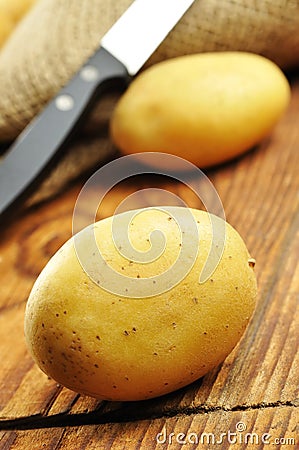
(255, 388)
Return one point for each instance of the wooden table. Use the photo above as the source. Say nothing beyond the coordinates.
(254, 391)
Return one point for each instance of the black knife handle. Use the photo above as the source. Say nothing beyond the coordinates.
(99, 73)
(42, 139)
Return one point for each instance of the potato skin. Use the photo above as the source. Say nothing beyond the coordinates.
(118, 348)
(207, 108)
(10, 13)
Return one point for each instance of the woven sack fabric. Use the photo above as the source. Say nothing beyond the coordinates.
(57, 36)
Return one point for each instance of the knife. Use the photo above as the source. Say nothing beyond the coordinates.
(122, 52)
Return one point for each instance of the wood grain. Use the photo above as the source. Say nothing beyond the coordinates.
(256, 385)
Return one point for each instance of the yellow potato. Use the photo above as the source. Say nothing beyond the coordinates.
(6, 25)
(11, 11)
(16, 9)
(115, 346)
(206, 108)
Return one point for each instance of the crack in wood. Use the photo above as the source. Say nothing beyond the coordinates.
(128, 413)
(210, 409)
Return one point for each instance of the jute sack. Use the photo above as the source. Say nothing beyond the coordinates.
(57, 36)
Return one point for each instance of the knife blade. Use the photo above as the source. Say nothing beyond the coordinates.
(122, 52)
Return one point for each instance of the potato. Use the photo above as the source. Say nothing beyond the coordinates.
(103, 342)
(16, 9)
(207, 108)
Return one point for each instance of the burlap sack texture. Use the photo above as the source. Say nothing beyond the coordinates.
(57, 36)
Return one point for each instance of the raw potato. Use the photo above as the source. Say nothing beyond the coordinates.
(207, 108)
(11, 11)
(117, 348)
(6, 25)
